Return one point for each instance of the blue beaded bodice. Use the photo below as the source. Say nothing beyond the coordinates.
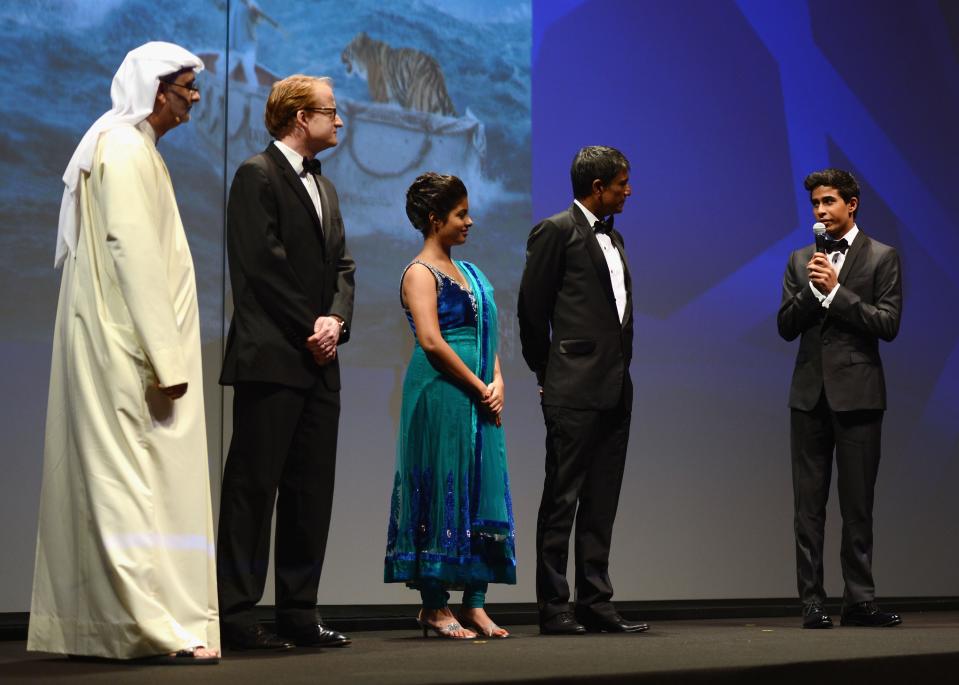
(455, 305)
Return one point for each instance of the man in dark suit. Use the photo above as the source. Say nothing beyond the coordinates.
(576, 328)
(842, 301)
(292, 280)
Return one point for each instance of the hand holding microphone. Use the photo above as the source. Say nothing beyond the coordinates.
(819, 229)
(819, 270)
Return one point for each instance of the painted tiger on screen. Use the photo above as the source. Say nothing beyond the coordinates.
(405, 76)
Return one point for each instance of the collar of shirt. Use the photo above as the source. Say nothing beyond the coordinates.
(292, 156)
(613, 261)
(590, 217)
(309, 183)
(850, 235)
(146, 128)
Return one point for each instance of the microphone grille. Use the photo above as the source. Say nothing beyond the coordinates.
(819, 228)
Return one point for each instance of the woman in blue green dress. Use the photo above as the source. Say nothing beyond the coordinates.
(451, 520)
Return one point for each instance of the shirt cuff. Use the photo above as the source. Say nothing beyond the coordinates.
(819, 295)
(829, 298)
(824, 300)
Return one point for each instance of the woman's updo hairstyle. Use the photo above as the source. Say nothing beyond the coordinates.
(432, 193)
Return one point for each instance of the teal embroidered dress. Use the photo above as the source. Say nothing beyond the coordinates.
(451, 516)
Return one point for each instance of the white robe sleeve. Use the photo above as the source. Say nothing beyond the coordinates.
(130, 185)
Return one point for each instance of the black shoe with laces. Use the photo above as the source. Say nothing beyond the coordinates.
(562, 623)
(813, 616)
(868, 615)
(252, 637)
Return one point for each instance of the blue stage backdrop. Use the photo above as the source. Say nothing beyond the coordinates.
(722, 108)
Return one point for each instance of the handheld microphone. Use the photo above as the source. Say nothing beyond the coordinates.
(820, 230)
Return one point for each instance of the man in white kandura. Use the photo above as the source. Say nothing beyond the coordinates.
(125, 560)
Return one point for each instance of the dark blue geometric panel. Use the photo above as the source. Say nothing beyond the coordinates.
(698, 111)
(915, 360)
(916, 100)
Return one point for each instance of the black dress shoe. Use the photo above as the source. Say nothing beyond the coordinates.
(610, 623)
(252, 637)
(868, 615)
(316, 635)
(813, 616)
(562, 623)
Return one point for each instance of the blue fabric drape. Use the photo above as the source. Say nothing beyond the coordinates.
(451, 514)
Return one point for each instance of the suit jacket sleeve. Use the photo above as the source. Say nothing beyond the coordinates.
(345, 272)
(799, 309)
(545, 255)
(254, 243)
(881, 319)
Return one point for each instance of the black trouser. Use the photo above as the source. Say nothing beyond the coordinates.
(855, 438)
(284, 440)
(585, 457)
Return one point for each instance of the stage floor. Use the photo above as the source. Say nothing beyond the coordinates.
(924, 649)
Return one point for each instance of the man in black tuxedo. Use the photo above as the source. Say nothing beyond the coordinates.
(842, 301)
(576, 328)
(292, 279)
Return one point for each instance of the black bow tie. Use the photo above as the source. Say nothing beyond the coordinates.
(836, 246)
(312, 166)
(603, 227)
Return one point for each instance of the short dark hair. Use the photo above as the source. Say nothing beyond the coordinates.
(843, 181)
(592, 162)
(432, 193)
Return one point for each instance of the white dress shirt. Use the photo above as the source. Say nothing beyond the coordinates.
(617, 274)
(836, 259)
(296, 161)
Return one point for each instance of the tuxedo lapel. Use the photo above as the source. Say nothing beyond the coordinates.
(595, 254)
(627, 278)
(327, 212)
(854, 255)
(296, 185)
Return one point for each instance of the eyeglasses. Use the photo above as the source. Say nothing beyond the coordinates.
(328, 110)
(191, 86)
